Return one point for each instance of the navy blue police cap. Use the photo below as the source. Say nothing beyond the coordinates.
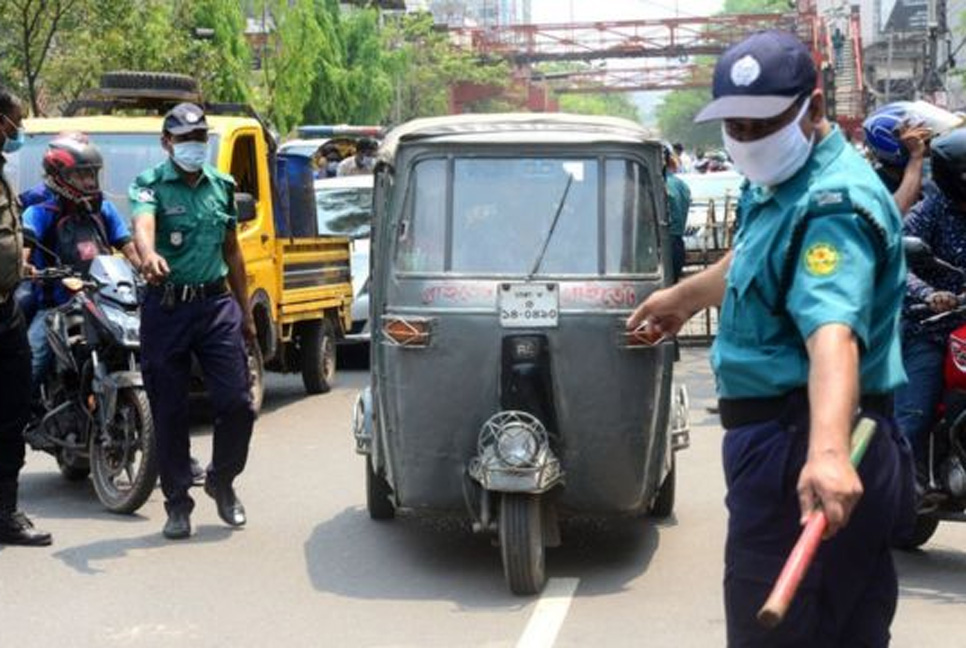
(760, 77)
(185, 118)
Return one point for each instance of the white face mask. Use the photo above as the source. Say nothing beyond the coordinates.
(773, 159)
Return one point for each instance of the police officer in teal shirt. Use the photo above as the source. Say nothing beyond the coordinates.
(678, 205)
(808, 337)
(196, 306)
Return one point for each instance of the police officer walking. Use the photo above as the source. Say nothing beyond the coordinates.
(185, 230)
(15, 527)
(808, 337)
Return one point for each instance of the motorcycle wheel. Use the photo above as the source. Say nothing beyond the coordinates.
(926, 525)
(377, 495)
(72, 467)
(125, 469)
(521, 543)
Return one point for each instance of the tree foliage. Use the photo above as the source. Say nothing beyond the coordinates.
(613, 105)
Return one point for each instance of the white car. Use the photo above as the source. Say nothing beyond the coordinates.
(721, 188)
(344, 208)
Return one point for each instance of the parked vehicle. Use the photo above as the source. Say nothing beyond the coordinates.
(510, 250)
(345, 209)
(713, 199)
(95, 418)
(299, 282)
(945, 499)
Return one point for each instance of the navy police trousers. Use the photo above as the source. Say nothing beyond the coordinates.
(209, 328)
(848, 597)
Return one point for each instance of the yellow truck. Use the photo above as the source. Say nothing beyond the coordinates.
(299, 283)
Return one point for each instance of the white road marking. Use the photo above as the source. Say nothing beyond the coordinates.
(549, 613)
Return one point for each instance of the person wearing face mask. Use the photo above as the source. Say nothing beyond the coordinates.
(15, 527)
(196, 304)
(362, 162)
(75, 223)
(807, 339)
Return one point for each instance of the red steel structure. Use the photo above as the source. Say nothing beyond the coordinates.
(672, 39)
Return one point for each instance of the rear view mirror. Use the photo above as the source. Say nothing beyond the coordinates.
(245, 207)
(917, 251)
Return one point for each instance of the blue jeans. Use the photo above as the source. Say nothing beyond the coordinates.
(39, 347)
(916, 401)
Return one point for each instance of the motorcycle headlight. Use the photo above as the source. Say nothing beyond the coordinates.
(127, 325)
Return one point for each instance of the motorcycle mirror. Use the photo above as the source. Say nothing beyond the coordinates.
(916, 250)
(73, 284)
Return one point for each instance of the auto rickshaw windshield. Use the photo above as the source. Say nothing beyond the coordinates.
(494, 216)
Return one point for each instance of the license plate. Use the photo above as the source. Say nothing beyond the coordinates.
(529, 305)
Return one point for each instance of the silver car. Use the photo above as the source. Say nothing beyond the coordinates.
(345, 209)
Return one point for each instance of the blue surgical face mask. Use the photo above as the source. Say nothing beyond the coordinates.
(190, 156)
(14, 144)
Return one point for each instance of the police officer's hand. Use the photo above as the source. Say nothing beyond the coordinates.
(915, 139)
(29, 270)
(942, 301)
(154, 268)
(829, 481)
(664, 312)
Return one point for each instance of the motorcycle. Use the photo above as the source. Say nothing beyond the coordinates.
(945, 496)
(94, 415)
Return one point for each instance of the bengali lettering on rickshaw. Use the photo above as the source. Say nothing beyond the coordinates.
(602, 295)
(459, 293)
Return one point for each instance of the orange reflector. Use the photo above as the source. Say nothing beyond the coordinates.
(407, 332)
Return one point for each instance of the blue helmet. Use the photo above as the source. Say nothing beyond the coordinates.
(882, 134)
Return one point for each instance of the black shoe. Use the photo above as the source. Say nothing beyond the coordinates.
(230, 508)
(17, 529)
(198, 473)
(178, 525)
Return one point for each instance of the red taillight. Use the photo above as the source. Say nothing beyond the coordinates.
(642, 336)
(407, 331)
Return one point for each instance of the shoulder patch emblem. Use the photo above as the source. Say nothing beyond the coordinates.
(821, 259)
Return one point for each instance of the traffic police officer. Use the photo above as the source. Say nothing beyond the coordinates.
(185, 230)
(808, 336)
(15, 527)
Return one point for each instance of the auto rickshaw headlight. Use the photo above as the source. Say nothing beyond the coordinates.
(517, 445)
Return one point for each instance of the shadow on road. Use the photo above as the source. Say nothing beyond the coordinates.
(416, 558)
(935, 575)
(80, 558)
(49, 495)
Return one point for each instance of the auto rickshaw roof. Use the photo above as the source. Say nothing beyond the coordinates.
(535, 128)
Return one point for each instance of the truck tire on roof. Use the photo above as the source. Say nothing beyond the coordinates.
(148, 81)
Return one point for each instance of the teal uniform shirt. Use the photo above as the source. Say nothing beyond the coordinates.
(678, 204)
(849, 269)
(190, 222)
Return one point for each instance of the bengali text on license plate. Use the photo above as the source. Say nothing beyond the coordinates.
(529, 305)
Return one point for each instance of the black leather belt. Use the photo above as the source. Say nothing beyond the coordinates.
(737, 412)
(184, 293)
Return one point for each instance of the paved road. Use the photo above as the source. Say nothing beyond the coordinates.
(311, 569)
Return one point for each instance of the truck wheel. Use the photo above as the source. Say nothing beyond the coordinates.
(521, 543)
(317, 350)
(148, 81)
(925, 526)
(256, 376)
(377, 495)
(663, 505)
(124, 467)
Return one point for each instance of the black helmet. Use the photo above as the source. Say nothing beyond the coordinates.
(949, 164)
(66, 156)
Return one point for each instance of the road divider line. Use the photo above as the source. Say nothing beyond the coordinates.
(549, 613)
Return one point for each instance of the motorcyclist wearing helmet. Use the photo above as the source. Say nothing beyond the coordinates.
(41, 192)
(940, 221)
(75, 223)
(899, 143)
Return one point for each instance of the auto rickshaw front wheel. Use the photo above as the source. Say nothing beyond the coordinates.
(521, 543)
(378, 493)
